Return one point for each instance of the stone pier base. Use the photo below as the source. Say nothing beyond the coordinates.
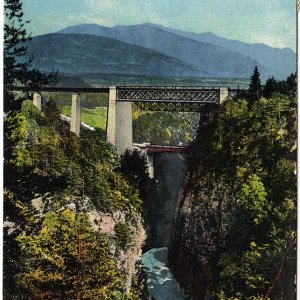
(224, 93)
(37, 100)
(119, 123)
(75, 115)
(150, 165)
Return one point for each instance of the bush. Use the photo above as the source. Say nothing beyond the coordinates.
(123, 235)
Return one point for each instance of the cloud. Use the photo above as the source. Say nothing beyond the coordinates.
(103, 4)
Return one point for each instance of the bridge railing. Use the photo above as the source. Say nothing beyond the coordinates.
(105, 88)
(167, 87)
(58, 89)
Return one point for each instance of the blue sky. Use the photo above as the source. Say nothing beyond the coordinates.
(263, 21)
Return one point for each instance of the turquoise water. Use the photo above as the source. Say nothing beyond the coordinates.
(160, 281)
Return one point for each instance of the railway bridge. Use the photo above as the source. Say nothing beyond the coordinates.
(149, 150)
(151, 98)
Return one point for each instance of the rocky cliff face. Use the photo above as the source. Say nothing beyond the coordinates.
(129, 256)
(235, 230)
(169, 173)
(196, 238)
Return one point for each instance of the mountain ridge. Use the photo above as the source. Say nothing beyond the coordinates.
(215, 60)
(153, 50)
(281, 58)
(194, 33)
(80, 53)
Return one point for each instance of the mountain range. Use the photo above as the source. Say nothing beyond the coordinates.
(82, 53)
(153, 50)
(283, 60)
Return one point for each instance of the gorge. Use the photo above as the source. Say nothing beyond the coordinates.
(169, 170)
(82, 216)
(193, 209)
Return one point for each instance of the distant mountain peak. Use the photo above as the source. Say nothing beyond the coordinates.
(152, 24)
(190, 48)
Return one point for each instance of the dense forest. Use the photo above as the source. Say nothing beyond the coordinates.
(165, 128)
(236, 229)
(73, 225)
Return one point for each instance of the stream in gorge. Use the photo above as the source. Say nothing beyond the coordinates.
(169, 171)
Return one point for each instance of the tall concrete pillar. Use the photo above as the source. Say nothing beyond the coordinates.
(111, 116)
(150, 165)
(224, 93)
(75, 114)
(119, 122)
(37, 100)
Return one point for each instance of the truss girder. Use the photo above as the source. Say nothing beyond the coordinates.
(175, 95)
(170, 106)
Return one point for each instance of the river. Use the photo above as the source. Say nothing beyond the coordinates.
(160, 281)
(169, 171)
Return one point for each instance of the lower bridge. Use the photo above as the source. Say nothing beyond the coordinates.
(149, 150)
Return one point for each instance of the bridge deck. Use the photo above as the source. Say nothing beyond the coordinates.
(58, 89)
(105, 89)
(153, 98)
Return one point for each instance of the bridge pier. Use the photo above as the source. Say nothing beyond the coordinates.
(224, 93)
(119, 122)
(75, 114)
(37, 100)
(150, 165)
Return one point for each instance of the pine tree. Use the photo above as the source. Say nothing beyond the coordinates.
(270, 87)
(291, 85)
(255, 87)
(16, 70)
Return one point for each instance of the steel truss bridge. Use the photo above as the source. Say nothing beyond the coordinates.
(169, 98)
(153, 98)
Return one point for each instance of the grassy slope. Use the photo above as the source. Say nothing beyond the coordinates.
(95, 117)
(174, 123)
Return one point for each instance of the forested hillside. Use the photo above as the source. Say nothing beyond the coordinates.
(236, 230)
(80, 53)
(72, 224)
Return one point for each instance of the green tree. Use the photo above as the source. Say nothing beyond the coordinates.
(16, 71)
(270, 87)
(15, 141)
(241, 199)
(15, 213)
(285, 87)
(65, 259)
(255, 87)
(52, 114)
(291, 85)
